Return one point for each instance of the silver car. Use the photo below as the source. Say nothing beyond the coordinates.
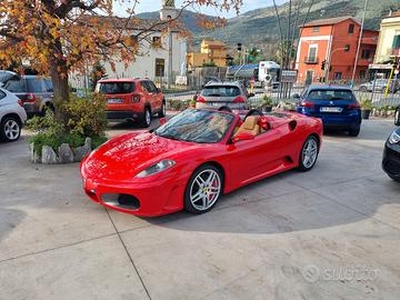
(224, 95)
(379, 86)
(12, 116)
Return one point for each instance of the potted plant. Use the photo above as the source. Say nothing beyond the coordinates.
(366, 107)
(266, 103)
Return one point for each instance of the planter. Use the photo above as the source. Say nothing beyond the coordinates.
(365, 114)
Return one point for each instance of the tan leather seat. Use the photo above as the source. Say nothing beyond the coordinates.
(250, 125)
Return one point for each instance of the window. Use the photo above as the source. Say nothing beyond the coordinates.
(351, 28)
(312, 53)
(156, 42)
(346, 48)
(160, 66)
(396, 42)
(15, 86)
(366, 54)
(34, 85)
(338, 75)
(315, 29)
(2, 95)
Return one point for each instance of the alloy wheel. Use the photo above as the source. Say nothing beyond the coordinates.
(11, 129)
(309, 153)
(205, 189)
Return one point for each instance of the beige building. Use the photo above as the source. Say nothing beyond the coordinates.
(212, 52)
(389, 39)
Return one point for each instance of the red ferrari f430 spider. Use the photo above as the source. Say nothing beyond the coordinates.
(194, 158)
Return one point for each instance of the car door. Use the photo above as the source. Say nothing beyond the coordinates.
(253, 159)
(153, 95)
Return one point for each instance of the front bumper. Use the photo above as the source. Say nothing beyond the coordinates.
(391, 160)
(153, 198)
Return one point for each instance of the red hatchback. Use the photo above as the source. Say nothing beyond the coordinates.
(132, 99)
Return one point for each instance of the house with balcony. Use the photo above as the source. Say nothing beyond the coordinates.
(327, 50)
(388, 48)
(212, 53)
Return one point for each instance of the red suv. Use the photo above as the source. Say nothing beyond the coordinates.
(132, 99)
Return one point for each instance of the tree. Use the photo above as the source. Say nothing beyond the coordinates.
(56, 37)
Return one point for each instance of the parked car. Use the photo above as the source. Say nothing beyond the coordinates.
(12, 116)
(132, 99)
(218, 95)
(380, 86)
(35, 92)
(6, 76)
(391, 155)
(397, 116)
(195, 157)
(337, 106)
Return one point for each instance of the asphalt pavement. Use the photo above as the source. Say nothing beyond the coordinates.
(331, 233)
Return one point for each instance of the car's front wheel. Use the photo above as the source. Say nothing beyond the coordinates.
(363, 89)
(203, 190)
(10, 129)
(308, 154)
(397, 116)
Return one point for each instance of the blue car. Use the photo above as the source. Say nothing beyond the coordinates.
(335, 105)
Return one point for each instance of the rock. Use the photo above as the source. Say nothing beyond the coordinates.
(65, 154)
(88, 143)
(35, 158)
(48, 155)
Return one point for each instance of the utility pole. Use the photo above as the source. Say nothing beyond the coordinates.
(359, 44)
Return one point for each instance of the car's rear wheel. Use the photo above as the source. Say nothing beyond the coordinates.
(308, 154)
(363, 89)
(146, 119)
(10, 129)
(354, 131)
(163, 110)
(397, 116)
(203, 190)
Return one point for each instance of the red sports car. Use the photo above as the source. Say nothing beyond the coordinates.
(194, 158)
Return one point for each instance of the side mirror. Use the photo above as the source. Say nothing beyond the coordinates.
(243, 136)
(296, 96)
(163, 121)
(158, 90)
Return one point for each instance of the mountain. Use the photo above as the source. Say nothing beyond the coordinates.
(259, 28)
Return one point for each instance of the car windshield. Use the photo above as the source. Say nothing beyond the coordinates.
(220, 91)
(117, 87)
(199, 126)
(330, 95)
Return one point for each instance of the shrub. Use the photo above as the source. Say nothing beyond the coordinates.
(366, 104)
(85, 117)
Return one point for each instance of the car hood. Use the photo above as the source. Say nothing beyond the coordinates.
(124, 156)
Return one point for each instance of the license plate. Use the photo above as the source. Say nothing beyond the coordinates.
(331, 109)
(115, 100)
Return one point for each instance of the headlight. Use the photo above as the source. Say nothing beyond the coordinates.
(156, 168)
(394, 138)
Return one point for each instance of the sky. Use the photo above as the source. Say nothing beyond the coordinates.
(155, 5)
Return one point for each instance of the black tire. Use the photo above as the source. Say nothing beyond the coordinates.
(363, 89)
(310, 147)
(394, 178)
(163, 110)
(397, 116)
(204, 173)
(10, 129)
(146, 119)
(354, 131)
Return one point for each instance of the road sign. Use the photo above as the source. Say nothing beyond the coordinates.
(289, 76)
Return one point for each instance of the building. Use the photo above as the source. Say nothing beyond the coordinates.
(161, 56)
(327, 50)
(388, 48)
(212, 53)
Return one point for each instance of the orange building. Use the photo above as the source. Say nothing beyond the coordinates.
(327, 49)
(212, 52)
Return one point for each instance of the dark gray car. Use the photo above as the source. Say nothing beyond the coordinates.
(35, 92)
